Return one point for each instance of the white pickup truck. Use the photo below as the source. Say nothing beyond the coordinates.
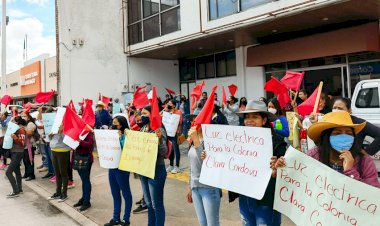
(366, 105)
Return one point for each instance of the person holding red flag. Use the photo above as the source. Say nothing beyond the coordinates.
(154, 188)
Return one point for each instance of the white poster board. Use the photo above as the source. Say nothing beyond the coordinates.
(8, 140)
(58, 120)
(311, 193)
(238, 159)
(171, 122)
(108, 146)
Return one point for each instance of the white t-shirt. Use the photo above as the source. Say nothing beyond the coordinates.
(306, 123)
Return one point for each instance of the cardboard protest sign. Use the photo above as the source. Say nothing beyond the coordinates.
(48, 121)
(171, 122)
(139, 153)
(108, 146)
(58, 120)
(238, 158)
(8, 140)
(290, 118)
(116, 108)
(311, 193)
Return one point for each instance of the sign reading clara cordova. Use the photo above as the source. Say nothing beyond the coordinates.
(310, 193)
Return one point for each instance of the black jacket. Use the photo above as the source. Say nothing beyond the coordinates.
(369, 130)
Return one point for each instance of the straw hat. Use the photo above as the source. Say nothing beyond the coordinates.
(100, 103)
(333, 120)
(255, 106)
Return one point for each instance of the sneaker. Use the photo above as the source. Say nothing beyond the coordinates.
(12, 195)
(62, 198)
(175, 170)
(43, 169)
(79, 203)
(139, 202)
(112, 222)
(48, 175)
(54, 196)
(3, 167)
(169, 169)
(85, 207)
(40, 167)
(70, 184)
(140, 209)
(53, 179)
(124, 223)
(30, 178)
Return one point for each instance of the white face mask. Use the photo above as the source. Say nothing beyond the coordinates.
(272, 110)
(337, 110)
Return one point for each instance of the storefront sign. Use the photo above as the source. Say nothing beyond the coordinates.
(30, 79)
(238, 159)
(311, 193)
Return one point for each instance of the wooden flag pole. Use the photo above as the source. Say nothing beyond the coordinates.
(316, 104)
(295, 96)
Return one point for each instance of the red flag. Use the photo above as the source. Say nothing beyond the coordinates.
(204, 117)
(71, 105)
(276, 87)
(73, 125)
(29, 106)
(106, 100)
(171, 92)
(197, 91)
(292, 80)
(6, 100)
(140, 99)
(88, 114)
(88, 101)
(44, 97)
(224, 96)
(233, 89)
(155, 117)
(306, 108)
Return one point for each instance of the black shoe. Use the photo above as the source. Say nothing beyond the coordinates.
(139, 202)
(24, 177)
(85, 207)
(21, 191)
(112, 222)
(79, 203)
(30, 178)
(140, 209)
(124, 223)
(48, 175)
(62, 198)
(54, 196)
(13, 195)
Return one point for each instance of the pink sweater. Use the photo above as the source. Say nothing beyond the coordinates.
(369, 171)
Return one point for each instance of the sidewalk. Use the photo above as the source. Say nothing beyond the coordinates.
(178, 211)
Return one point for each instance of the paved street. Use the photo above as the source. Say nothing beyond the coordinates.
(28, 209)
(178, 211)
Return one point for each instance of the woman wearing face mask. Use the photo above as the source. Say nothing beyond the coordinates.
(184, 107)
(119, 181)
(338, 148)
(280, 125)
(230, 111)
(170, 107)
(30, 146)
(344, 104)
(253, 211)
(154, 188)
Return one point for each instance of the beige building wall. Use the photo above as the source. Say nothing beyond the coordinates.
(50, 74)
(13, 84)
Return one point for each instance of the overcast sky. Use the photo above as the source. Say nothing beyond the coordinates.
(36, 18)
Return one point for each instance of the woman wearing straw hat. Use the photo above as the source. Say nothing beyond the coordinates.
(338, 147)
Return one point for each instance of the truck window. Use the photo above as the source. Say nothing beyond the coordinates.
(368, 98)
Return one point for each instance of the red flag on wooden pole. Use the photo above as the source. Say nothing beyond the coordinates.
(106, 100)
(233, 89)
(73, 124)
(140, 98)
(312, 103)
(88, 114)
(292, 80)
(276, 87)
(204, 117)
(44, 97)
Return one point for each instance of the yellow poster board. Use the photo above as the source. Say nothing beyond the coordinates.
(139, 153)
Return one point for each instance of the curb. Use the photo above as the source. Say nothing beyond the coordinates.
(63, 207)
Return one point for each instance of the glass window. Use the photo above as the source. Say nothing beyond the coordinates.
(170, 21)
(225, 64)
(151, 7)
(368, 98)
(167, 4)
(151, 28)
(222, 8)
(246, 4)
(205, 67)
(134, 33)
(134, 11)
(187, 70)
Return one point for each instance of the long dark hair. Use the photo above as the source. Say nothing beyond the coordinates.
(277, 106)
(346, 101)
(123, 123)
(325, 149)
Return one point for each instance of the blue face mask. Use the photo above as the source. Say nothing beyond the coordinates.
(341, 142)
(145, 120)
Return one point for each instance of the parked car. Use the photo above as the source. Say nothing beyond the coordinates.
(366, 105)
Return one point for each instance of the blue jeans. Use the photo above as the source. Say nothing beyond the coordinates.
(43, 153)
(86, 184)
(175, 152)
(154, 196)
(119, 181)
(207, 204)
(49, 158)
(185, 129)
(255, 215)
